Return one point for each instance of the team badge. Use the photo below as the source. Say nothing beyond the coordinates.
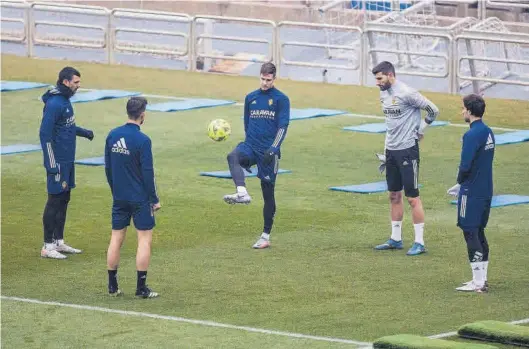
(270, 101)
(64, 185)
(394, 100)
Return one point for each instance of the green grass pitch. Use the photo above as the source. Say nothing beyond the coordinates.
(321, 277)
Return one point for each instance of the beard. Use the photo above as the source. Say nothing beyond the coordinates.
(385, 87)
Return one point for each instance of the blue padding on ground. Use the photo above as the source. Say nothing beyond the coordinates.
(99, 95)
(505, 200)
(366, 188)
(187, 104)
(369, 128)
(227, 174)
(20, 85)
(512, 137)
(297, 114)
(97, 161)
(19, 148)
(380, 127)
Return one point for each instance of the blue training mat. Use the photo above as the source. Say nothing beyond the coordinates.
(505, 200)
(187, 104)
(19, 148)
(366, 188)
(99, 95)
(20, 85)
(298, 114)
(380, 127)
(97, 161)
(227, 174)
(512, 137)
(376, 187)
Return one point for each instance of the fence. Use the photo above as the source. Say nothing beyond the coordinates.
(190, 41)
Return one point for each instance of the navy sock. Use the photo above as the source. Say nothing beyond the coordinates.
(142, 278)
(113, 280)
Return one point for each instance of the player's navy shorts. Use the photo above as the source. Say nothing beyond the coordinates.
(62, 181)
(249, 156)
(402, 170)
(141, 212)
(472, 212)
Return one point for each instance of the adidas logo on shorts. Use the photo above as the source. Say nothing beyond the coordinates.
(120, 147)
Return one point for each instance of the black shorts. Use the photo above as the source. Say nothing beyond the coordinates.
(402, 170)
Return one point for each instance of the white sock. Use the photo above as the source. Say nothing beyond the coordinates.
(49, 247)
(60, 242)
(419, 233)
(396, 230)
(265, 236)
(485, 270)
(241, 190)
(477, 273)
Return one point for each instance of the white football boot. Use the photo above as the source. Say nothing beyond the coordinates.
(262, 242)
(62, 247)
(472, 287)
(238, 198)
(51, 252)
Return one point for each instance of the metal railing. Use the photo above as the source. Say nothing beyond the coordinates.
(16, 36)
(152, 48)
(498, 38)
(64, 39)
(354, 50)
(196, 37)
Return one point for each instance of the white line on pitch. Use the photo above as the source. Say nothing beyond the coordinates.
(186, 320)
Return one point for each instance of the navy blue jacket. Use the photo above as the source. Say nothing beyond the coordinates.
(129, 165)
(477, 154)
(58, 130)
(266, 119)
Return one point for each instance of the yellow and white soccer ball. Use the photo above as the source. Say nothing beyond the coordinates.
(219, 130)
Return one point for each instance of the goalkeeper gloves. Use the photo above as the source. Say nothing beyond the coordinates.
(382, 159)
(454, 191)
(269, 155)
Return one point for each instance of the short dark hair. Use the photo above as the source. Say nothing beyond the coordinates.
(67, 73)
(475, 105)
(268, 68)
(384, 67)
(136, 106)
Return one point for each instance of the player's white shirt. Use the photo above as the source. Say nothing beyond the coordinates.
(402, 107)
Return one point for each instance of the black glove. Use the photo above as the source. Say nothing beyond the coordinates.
(248, 169)
(89, 134)
(269, 156)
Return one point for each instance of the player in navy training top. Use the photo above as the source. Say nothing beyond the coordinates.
(130, 174)
(266, 119)
(474, 190)
(58, 135)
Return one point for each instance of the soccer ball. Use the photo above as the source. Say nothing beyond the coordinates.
(219, 130)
